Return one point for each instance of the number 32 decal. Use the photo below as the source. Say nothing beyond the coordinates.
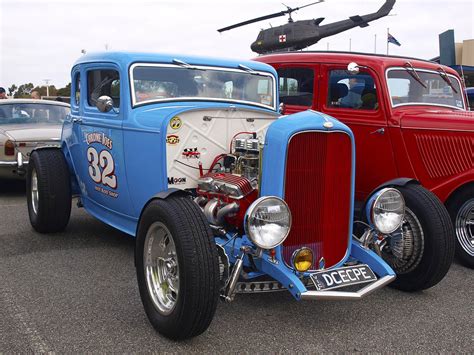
(101, 167)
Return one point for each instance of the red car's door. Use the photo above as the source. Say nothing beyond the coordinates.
(356, 100)
(298, 87)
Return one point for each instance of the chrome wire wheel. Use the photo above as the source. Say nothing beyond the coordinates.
(406, 245)
(161, 268)
(34, 191)
(464, 226)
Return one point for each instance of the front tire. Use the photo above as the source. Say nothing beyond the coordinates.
(427, 251)
(461, 210)
(177, 267)
(48, 191)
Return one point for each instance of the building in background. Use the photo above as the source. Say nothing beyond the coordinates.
(459, 56)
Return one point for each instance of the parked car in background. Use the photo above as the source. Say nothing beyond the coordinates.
(189, 155)
(27, 124)
(408, 115)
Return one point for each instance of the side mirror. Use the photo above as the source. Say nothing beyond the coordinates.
(282, 108)
(353, 68)
(104, 103)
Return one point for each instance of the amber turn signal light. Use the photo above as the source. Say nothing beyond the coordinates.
(302, 259)
(9, 148)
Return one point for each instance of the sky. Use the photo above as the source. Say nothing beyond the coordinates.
(41, 39)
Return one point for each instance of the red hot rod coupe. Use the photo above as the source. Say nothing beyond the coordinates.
(410, 116)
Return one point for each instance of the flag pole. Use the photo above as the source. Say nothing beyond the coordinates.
(375, 43)
(388, 31)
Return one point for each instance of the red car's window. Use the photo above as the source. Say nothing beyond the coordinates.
(296, 86)
(355, 91)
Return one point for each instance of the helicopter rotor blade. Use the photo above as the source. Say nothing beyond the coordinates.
(261, 18)
(266, 17)
(302, 7)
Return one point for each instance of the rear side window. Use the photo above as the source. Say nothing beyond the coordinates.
(77, 92)
(355, 91)
(103, 82)
(296, 86)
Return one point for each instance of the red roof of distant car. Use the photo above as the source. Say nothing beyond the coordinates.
(372, 60)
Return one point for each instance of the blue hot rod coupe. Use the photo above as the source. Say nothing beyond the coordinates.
(190, 156)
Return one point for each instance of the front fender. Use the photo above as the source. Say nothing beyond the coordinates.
(391, 183)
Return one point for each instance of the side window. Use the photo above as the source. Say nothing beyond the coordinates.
(356, 91)
(77, 92)
(103, 82)
(296, 86)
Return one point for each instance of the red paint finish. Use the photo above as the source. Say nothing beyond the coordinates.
(318, 192)
(432, 144)
(445, 155)
(365, 125)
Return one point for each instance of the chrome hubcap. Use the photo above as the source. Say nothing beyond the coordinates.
(465, 226)
(161, 268)
(404, 249)
(34, 191)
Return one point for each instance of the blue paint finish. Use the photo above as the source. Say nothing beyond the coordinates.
(285, 276)
(117, 220)
(138, 134)
(125, 59)
(146, 127)
(139, 151)
(376, 263)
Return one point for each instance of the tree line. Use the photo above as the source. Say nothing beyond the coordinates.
(24, 90)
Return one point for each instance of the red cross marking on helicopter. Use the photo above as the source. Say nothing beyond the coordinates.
(282, 38)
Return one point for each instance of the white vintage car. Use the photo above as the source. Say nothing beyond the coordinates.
(26, 124)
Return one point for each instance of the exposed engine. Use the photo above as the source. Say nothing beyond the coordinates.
(231, 185)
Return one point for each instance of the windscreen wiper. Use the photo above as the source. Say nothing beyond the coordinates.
(409, 68)
(442, 73)
(248, 70)
(183, 64)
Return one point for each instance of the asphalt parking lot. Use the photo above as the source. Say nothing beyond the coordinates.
(76, 291)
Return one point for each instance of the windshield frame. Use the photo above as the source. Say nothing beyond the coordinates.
(196, 98)
(431, 71)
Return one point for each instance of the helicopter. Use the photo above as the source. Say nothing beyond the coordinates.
(300, 34)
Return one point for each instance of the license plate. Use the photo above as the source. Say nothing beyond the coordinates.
(341, 277)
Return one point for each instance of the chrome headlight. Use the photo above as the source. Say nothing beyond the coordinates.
(268, 222)
(387, 210)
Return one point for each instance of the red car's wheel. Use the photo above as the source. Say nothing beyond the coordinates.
(461, 209)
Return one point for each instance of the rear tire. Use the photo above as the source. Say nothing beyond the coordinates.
(178, 275)
(48, 191)
(433, 241)
(461, 210)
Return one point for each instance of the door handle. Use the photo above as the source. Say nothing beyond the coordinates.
(77, 120)
(379, 131)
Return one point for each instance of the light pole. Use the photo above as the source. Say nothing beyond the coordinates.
(47, 86)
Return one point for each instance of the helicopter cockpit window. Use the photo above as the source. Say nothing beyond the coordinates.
(155, 83)
(296, 86)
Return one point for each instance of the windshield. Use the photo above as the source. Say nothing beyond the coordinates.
(168, 82)
(32, 113)
(405, 89)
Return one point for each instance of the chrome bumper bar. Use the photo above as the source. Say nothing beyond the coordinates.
(341, 295)
(19, 164)
(12, 164)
